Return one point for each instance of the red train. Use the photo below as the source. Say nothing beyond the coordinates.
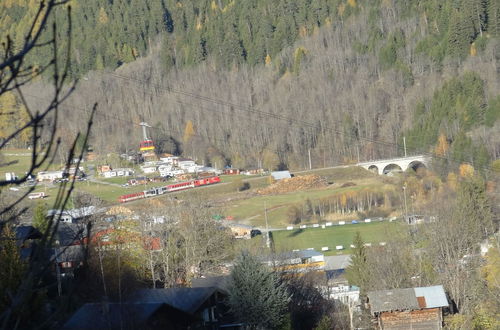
(169, 188)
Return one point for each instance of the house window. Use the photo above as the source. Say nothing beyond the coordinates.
(206, 315)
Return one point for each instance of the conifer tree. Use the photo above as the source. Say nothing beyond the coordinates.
(40, 220)
(493, 11)
(12, 267)
(256, 295)
(358, 272)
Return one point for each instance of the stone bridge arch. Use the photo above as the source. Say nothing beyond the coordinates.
(373, 168)
(416, 165)
(390, 168)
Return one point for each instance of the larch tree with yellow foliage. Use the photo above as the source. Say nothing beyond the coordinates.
(442, 146)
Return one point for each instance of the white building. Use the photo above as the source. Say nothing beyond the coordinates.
(169, 160)
(148, 169)
(49, 175)
(346, 294)
(10, 176)
(70, 216)
(171, 173)
(185, 163)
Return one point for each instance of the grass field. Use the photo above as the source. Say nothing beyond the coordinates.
(375, 232)
(251, 210)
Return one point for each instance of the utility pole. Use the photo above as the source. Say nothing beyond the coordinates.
(406, 206)
(310, 164)
(268, 239)
(404, 144)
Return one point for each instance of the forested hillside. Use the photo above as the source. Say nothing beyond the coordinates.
(252, 82)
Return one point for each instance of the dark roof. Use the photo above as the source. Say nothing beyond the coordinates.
(392, 300)
(24, 233)
(185, 299)
(73, 253)
(219, 282)
(69, 233)
(407, 299)
(127, 316)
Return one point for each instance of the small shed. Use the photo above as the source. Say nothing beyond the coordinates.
(280, 175)
(412, 308)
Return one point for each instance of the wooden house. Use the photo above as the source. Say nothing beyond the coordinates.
(412, 308)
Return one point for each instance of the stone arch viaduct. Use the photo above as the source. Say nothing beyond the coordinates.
(386, 166)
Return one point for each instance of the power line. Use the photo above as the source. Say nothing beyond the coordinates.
(129, 122)
(252, 110)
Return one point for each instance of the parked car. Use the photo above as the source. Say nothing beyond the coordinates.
(255, 232)
(354, 222)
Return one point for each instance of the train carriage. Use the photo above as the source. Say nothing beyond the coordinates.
(169, 188)
(131, 197)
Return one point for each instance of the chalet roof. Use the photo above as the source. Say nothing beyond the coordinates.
(24, 233)
(434, 296)
(70, 233)
(407, 299)
(219, 282)
(187, 300)
(339, 262)
(111, 315)
(73, 253)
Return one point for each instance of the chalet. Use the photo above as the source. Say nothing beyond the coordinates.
(70, 234)
(204, 305)
(412, 308)
(173, 308)
(231, 171)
